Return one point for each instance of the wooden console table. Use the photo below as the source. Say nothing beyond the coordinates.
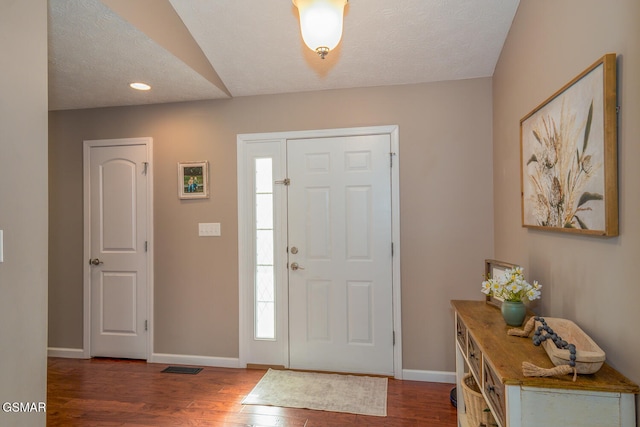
(483, 348)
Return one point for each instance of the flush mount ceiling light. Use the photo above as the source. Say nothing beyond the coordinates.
(139, 86)
(321, 23)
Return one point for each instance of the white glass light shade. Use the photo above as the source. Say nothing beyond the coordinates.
(139, 86)
(321, 23)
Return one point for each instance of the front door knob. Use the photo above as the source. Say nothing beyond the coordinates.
(95, 261)
(295, 266)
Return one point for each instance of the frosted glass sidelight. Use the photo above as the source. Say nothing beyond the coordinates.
(265, 327)
(264, 290)
(264, 284)
(264, 176)
(264, 247)
(264, 211)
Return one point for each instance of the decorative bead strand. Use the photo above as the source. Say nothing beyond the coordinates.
(544, 332)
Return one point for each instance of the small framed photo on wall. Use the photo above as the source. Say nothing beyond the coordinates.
(193, 180)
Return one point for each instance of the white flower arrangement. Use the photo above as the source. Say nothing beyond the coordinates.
(512, 286)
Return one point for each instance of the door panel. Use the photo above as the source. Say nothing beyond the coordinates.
(340, 299)
(318, 310)
(358, 223)
(118, 193)
(117, 303)
(360, 312)
(117, 187)
(318, 227)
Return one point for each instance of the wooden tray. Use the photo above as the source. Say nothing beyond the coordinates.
(589, 357)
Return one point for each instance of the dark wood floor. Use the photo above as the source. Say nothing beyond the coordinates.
(107, 392)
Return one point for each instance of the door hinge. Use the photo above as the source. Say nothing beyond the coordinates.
(146, 246)
(285, 181)
(391, 248)
(391, 159)
(146, 166)
(146, 325)
(394, 337)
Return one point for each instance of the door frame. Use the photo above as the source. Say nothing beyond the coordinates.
(86, 269)
(245, 274)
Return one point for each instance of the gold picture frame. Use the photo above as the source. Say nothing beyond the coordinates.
(568, 152)
(493, 268)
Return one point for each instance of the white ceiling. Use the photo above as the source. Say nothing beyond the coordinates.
(255, 47)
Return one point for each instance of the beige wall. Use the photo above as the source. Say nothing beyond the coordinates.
(23, 207)
(446, 206)
(592, 281)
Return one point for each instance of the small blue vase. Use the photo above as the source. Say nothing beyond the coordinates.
(513, 312)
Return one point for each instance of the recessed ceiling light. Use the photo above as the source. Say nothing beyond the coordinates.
(140, 86)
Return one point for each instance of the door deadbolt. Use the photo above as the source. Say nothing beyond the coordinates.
(294, 250)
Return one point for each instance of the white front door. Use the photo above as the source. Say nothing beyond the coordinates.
(117, 261)
(340, 254)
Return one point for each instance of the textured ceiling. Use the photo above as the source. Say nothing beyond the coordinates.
(254, 47)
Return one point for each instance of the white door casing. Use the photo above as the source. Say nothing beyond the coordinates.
(340, 254)
(118, 257)
(276, 353)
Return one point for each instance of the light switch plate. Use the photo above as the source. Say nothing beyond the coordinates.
(208, 229)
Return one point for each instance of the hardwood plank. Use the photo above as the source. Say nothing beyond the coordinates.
(112, 392)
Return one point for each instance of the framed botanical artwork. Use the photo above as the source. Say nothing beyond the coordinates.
(193, 180)
(568, 151)
(495, 269)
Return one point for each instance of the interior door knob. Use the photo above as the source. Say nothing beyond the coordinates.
(294, 266)
(95, 261)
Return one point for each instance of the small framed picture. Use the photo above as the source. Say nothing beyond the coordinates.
(193, 180)
(492, 270)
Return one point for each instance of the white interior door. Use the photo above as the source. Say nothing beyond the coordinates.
(340, 254)
(118, 250)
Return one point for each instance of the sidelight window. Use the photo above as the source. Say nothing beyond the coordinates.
(264, 255)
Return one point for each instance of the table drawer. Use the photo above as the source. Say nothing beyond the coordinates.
(474, 355)
(461, 334)
(495, 392)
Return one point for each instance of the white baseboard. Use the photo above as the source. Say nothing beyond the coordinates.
(184, 359)
(429, 376)
(177, 359)
(69, 353)
(232, 362)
